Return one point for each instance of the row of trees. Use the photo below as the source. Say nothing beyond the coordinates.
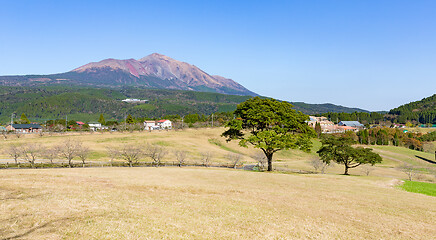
(363, 117)
(31, 152)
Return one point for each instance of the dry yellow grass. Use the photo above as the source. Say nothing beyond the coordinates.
(196, 141)
(199, 203)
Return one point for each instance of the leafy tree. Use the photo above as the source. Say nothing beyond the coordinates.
(340, 150)
(192, 118)
(130, 119)
(318, 129)
(270, 125)
(24, 119)
(101, 119)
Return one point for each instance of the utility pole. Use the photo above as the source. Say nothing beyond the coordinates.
(12, 118)
(66, 122)
(212, 119)
(125, 122)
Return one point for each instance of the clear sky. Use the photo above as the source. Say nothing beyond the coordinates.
(375, 55)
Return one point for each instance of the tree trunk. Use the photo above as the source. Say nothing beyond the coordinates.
(269, 156)
(70, 165)
(130, 163)
(346, 170)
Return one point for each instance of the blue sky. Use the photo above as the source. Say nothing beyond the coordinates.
(375, 55)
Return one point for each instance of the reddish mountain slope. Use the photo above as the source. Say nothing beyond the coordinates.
(173, 74)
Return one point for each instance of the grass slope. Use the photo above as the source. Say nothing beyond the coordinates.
(198, 141)
(189, 203)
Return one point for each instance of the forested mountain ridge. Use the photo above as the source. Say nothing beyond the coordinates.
(87, 103)
(422, 111)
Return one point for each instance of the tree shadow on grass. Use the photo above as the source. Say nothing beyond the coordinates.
(29, 231)
(425, 159)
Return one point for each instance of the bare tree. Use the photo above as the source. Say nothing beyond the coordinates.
(130, 154)
(113, 153)
(181, 156)
(206, 157)
(5, 134)
(319, 165)
(409, 170)
(19, 134)
(156, 153)
(14, 151)
(50, 153)
(367, 169)
(83, 153)
(261, 160)
(69, 150)
(234, 158)
(30, 152)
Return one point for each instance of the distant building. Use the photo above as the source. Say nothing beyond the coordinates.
(24, 128)
(354, 124)
(94, 126)
(326, 125)
(150, 125)
(164, 124)
(134, 100)
(156, 125)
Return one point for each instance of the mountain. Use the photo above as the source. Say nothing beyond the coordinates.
(153, 71)
(423, 111)
(324, 108)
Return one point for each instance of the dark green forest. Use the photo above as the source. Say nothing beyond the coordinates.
(423, 111)
(86, 104)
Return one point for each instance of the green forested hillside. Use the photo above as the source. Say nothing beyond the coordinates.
(423, 111)
(43, 103)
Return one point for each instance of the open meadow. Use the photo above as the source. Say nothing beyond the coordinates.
(211, 203)
(195, 142)
(200, 203)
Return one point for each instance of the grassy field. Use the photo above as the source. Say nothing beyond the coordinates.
(198, 141)
(200, 203)
(212, 203)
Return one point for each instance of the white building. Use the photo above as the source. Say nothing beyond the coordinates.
(94, 126)
(150, 125)
(164, 124)
(134, 100)
(157, 125)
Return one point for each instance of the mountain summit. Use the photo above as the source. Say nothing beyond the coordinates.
(153, 71)
(156, 71)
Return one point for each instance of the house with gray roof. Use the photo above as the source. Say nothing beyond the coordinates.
(354, 124)
(25, 128)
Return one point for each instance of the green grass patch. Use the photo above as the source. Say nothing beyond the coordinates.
(163, 143)
(420, 187)
(217, 142)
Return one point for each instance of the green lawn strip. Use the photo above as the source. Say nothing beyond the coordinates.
(420, 187)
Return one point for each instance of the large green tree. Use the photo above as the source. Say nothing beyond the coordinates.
(130, 119)
(271, 126)
(24, 119)
(341, 151)
(101, 119)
